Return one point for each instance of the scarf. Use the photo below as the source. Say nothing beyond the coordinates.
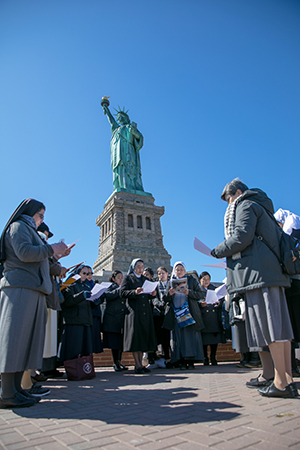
(229, 224)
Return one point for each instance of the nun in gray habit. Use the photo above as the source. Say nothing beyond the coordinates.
(139, 332)
(24, 285)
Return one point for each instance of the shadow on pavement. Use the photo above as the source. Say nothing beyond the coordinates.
(131, 400)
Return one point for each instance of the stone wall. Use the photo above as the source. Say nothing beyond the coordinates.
(130, 228)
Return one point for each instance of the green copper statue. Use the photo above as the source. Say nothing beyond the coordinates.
(125, 144)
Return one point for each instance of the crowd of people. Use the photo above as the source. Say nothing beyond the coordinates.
(45, 321)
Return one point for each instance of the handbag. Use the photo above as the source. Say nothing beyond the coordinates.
(289, 258)
(237, 308)
(80, 368)
(183, 315)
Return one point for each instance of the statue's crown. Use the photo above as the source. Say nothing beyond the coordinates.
(121, 111)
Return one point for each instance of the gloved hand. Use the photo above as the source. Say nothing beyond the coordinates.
(87, 294)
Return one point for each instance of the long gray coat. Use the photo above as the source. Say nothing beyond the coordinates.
(26, 265)
(23, 313)
(257, 267)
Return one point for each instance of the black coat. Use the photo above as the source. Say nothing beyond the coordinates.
(211, 314)
(113, 320)
(76, 309)
(195, 294)
(139, 333)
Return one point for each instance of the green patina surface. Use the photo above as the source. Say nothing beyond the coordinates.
(125, 145)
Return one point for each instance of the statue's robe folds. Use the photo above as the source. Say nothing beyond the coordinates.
(125, 158)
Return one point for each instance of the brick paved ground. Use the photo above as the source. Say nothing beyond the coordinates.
(167, 409)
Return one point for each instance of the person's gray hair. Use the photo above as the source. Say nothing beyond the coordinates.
(232, 187)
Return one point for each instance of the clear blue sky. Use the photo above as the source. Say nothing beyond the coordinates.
(213, 86)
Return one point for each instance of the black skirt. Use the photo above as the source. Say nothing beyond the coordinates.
(76, 340)
(96, 333)
(113, 340)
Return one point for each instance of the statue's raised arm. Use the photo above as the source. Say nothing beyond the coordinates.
(106, 111)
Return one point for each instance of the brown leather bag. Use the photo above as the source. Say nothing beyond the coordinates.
(80, 368)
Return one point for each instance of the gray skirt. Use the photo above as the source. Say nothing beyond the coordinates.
(267, 317)
(23, 317)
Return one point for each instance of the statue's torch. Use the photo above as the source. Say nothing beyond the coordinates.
(105, 103)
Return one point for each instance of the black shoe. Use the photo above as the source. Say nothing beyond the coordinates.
(38, 391)
(53, 374)
(241, 364)
(169, 365)
(146, 370)
(296, 373)
(27, 396)
(117, 368)
(139, 370)
(214, 362)
(253, 364)
(122, 367)
(183, 366)
(294, 389)
(272, 391)
(191, 366)
(255, 384)
(206, 362)
(39, 377)
(17, 401)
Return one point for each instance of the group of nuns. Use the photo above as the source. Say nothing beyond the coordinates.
(133, 321)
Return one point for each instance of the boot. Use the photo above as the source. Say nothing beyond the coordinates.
(254, 361)
(245, 358)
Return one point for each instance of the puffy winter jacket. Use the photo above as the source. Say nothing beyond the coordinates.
(258, 266)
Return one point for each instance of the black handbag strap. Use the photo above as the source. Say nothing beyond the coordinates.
(268, 245)
(261, 238)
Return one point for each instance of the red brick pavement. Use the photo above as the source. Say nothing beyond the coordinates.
(167, 409)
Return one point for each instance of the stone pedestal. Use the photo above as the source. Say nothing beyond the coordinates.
(130, 228)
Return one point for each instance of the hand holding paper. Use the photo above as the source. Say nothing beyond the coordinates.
(98, 290)
(149, 287)
(214, 296)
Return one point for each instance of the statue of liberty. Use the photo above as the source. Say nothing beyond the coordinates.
(125, 144)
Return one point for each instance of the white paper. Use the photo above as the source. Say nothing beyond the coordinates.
(76, 277)
(202, 248)
(149, 286)
(70, 245)
(221, 291)
(73, 277)
(220, 265)
(211, 297)
(98, 290)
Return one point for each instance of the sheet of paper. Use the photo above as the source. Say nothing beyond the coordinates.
(76, 266)
(69, 281)
(221, 291)
(98, 290)
(72, 245)
(211, 297)
(149, 286)
(202, 248)
(220, 265)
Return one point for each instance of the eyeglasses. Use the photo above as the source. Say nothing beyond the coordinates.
(41, 215)
(84, 273)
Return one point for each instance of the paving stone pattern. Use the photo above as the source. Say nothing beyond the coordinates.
(167, 409)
